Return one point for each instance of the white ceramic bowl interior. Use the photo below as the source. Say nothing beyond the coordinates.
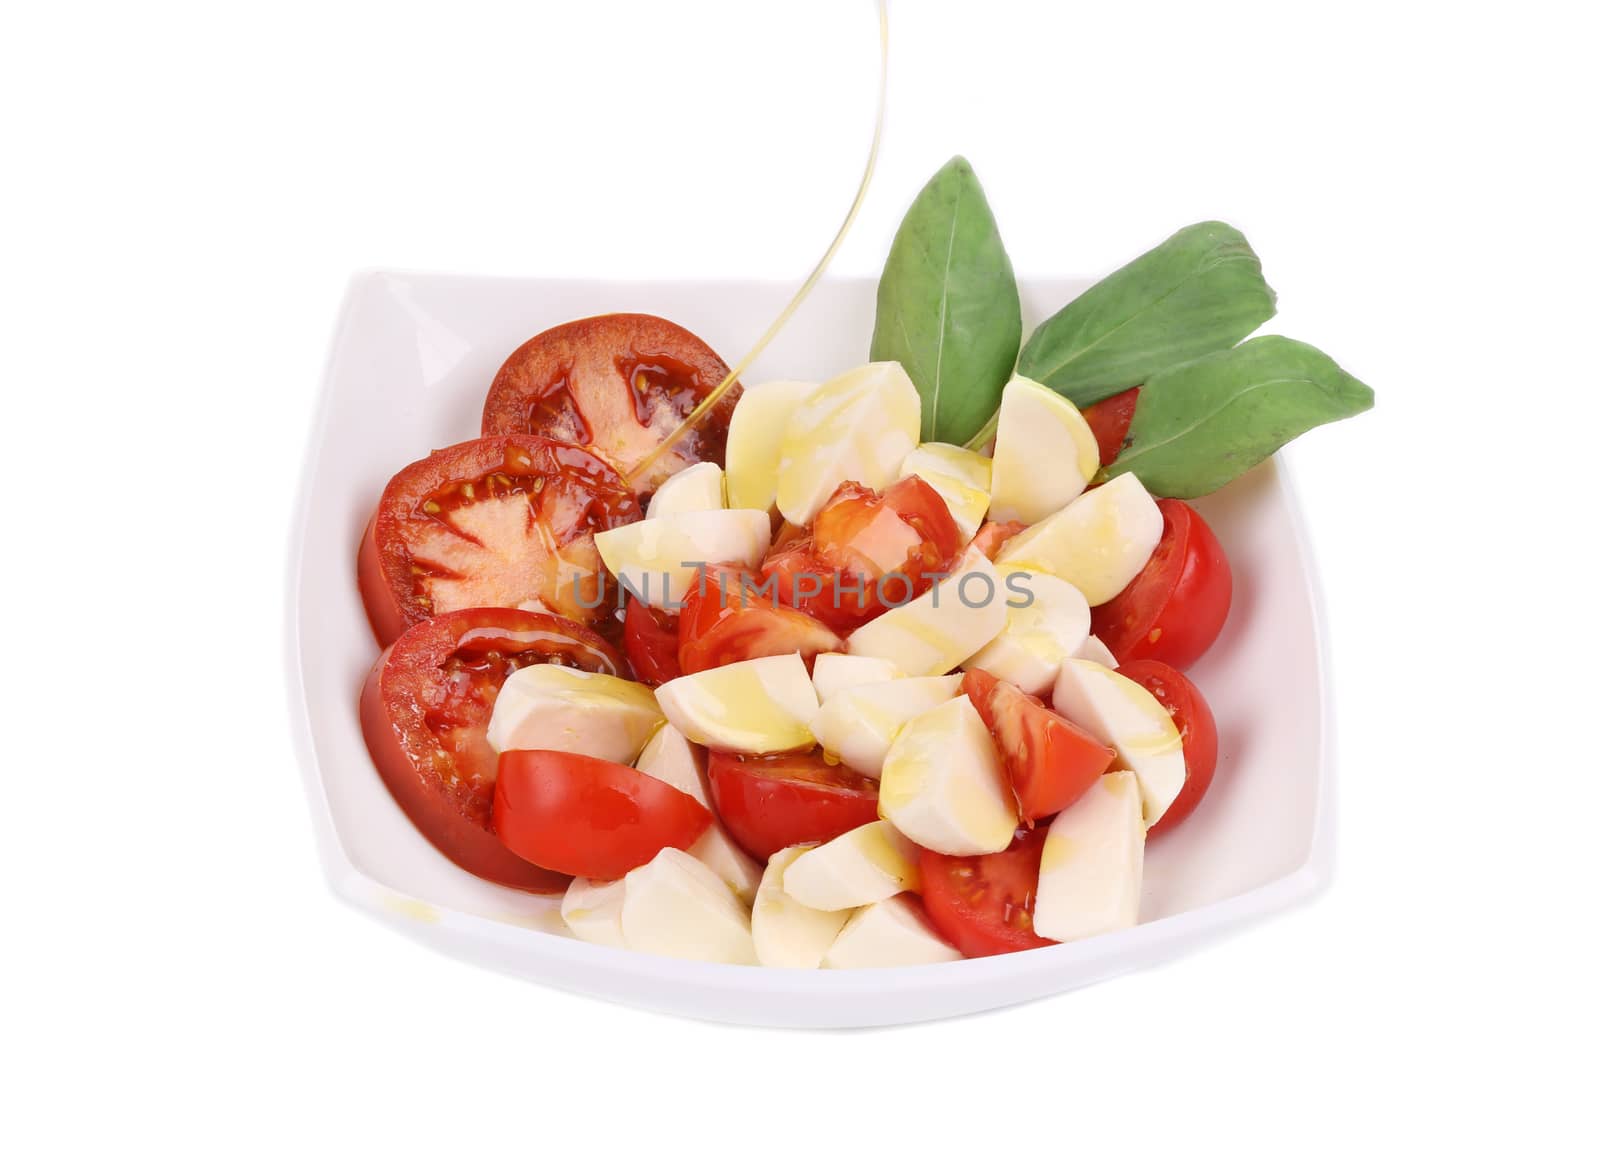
(411, 361)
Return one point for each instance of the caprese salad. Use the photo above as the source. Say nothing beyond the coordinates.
(886, 669)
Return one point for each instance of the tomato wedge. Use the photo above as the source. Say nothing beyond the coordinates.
(728, 617)
(770, 802)
(588, 817)
(1198, 727)
(995, 533)
(1049, 761)
(425, 715)
(984, 905)
(1110, 419)
(618, 384)
(500, 521)
(650, 638)
(1176, 606)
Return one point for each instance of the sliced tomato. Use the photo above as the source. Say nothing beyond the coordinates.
(768, 803)
(802, 581)
(984, 905)
(1110, 419)
(619, 385)
(1049, 761)
(729, 616)
(650, 638)
(1197, 726)
(588, 817)
(995, 533)
(425, 714)
(1174, 609)
(500, 521)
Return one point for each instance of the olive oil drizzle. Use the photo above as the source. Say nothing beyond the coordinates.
(703, 408)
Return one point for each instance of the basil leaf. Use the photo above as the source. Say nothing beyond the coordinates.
(1199, 292)
(948, 308)
(1200, 425)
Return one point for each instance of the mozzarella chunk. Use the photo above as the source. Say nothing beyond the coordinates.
(787, 933)
(942, 784)
(1044, 453)
(1099, 542)
(858, 426)
(832, 673)
(1095, 651)
(858, 725)
(1093, 863)
(1040, 635)
(561, 708)
(656, 559)
(592, 911)
(696, 488)
(871, 863)
(936, 632)
(669, 756)
(674, 906)
(1118, 712)
(889, 934)
(755, 441)
(759, 705)
(960, 476)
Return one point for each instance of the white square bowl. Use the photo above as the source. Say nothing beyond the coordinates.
(411, 361)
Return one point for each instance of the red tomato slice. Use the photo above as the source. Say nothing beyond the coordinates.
(425, 714)
(907, 529)
(1197, 726)
(728, 617)
(588, 817)
(650, 637)
(1174, 609)
(995, 533)
(492, 522)
(618, 384)
(1050, 762)
(770, 802)
(1110, 419)
(984, 905)
(805, 583)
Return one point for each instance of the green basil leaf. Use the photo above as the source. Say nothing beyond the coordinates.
(948, 309)
(1200, 425)
(1199, 292)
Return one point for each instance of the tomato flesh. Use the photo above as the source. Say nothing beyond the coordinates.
(587, 817)
(768, 803)
(1175, 608)
(425, 712)
(995, 533)
(984, 905)
(618, 384)
(729, 616)
(1049, 761)
(1109, 420)
(650, 638)
(500, 521)
(1197, 726)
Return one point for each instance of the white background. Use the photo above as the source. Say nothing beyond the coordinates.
(188, 188)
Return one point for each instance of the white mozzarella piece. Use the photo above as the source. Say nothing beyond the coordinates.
(1044, 453)
(942, 783)
(960, 476)
(1099, 542)
(592, 911)
(858, 724)
(871, 863)
(1095, 651)
(674, 905)
(561, 708)
(938, 631)
(893, 933)
(832, 673)
(755, 441)
(656, 559)
(1119, 713)
(787, 933)
(670, 757)
(858, 426)
(1093, 863)
(696, 488)
(1040, 635)
(759, 705)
